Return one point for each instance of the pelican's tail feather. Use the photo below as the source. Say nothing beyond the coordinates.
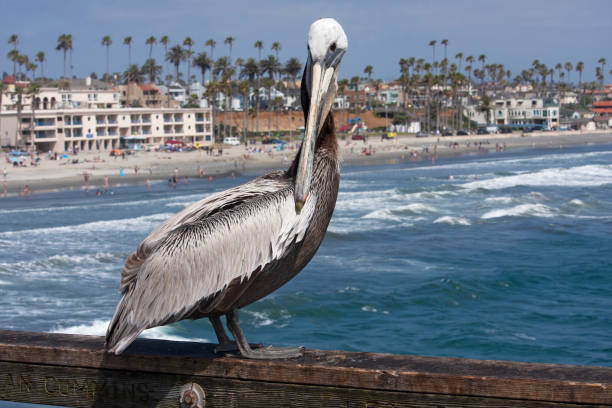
(121, 332)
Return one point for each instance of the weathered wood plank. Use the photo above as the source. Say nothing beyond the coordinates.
(84, 388)
(370, 373)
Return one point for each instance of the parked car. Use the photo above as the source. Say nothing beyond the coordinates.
(462, 132)
(420, 133)
(388, 136)
(482, 131)
(232, 140)
(447, 133)
(358, 137)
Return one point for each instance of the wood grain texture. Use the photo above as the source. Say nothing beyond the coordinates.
(319, 378)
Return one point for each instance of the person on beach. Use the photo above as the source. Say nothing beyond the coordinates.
(26, 191)
(4, 172)
(106, 184)
(5, 185)
(86, 181)
(147, 183)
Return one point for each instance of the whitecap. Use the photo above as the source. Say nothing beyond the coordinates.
(417, 208)
(501, 200)
(95, 328)
(144, 223)
(579, 176)
(368, 308)
(383, 214)
(447, 219)
(536, 210)
(577, 202)
(260, 318)
(98, 328)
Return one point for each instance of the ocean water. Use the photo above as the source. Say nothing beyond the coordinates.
(510, 258)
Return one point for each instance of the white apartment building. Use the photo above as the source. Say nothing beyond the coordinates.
(61, 130)
(517, 112)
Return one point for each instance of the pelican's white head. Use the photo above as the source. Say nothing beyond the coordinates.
(327, 44)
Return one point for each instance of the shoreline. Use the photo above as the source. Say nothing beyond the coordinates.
(52, 175)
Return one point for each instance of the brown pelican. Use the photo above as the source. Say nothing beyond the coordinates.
(237, 246)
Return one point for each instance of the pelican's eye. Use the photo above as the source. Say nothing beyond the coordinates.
(332, 47)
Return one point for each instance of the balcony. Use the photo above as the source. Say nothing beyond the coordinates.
(112, 121)
(199, 117)
(45, 122)
(100, 121)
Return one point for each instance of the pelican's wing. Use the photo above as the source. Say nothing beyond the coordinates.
(197, 253)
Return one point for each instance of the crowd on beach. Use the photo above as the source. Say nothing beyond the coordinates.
(75, 169)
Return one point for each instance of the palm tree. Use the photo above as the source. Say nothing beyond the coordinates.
(250, 70)
(175, 56)
(132, 74)
(106, 42)
(259, 45)
(276, 47)
(212, 44)
(204, 63)
(151, 41)
(229, 41)
(432, 44)
(579, 68)
(244, 88)
(69, 47)
(602, 62)
(31, 67)
(188, 42)
(151, 69)
(568, 67)
(293, 67)
(269, 83)
(13, 55)
(368, 70)
(444, 42)
(128, 41)
(164, 40)
(14, 40)
(32, 91)
(459, 56)
(40, 57)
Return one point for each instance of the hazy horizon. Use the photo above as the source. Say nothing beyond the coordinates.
(380, 33)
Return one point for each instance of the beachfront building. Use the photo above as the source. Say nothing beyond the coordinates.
(144, 96)
(602, 111)
(61, 130)
(518, 113)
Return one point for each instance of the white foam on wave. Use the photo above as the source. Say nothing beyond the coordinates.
(98, 328)
(500, 200)
(417, 208)
(382, 214)
(447, 219)
(95, 328)
(580, 176)
(577, 202)
(535, 210)
(5, 283)
(144, 223)
(260, 319)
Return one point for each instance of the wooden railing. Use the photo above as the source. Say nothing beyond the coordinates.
(74, 371)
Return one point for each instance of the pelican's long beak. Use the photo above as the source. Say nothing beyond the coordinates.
(324, 87)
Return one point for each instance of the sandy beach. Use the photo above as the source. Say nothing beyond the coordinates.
(52, 175)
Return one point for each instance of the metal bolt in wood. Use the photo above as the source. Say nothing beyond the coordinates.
(192, 396)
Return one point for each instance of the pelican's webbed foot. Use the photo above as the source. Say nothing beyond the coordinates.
(265, 353)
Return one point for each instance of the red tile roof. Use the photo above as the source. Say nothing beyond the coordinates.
(148, 87)
(9, 79)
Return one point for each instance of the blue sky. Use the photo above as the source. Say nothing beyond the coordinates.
(513, 33)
